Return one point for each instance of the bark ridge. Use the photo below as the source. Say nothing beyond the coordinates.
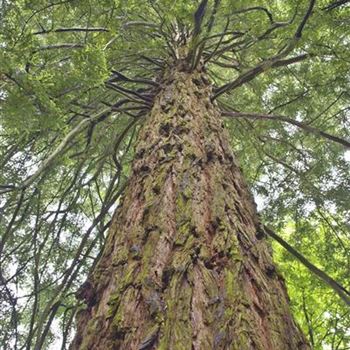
(186, 264)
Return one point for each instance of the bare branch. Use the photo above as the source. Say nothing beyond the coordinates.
(304, 20)
(337, 287)
(140, 24)
(335, 4)
(218, 43)
(274, 62)
(198, 17)
(291, 60)
(74, 29)
(301, 125)
(213, 15)
(117, 76)
(147, 100)
(196, 48)
(60, 46)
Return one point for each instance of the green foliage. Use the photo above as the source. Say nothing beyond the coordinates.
(321, 315)
(55, 75)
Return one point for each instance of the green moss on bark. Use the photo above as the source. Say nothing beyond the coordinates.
(182, 268)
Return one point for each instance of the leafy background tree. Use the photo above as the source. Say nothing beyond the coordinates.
(77, 79)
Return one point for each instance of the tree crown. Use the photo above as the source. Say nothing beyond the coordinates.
(79, 77)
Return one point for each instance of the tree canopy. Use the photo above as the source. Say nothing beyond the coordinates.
(77, 79)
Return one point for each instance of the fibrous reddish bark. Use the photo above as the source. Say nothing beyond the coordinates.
(186, 264)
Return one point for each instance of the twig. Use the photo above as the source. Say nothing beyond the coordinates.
(60, 46)
(59, 150)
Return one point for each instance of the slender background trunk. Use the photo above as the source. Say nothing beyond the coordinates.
(186, 265)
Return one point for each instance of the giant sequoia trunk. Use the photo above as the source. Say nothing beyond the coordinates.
(186, 265)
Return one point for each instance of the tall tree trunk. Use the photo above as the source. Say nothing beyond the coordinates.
(185, 265)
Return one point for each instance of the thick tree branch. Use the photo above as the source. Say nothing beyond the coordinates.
(65, 30)
(260, 68)
(145, 99)
(338, 288)
(335, 4)
(198, 17)
(117, 76)
(281, 118)
(273, 62)
(196, 48)
(308, 13)
(213, 16)
(291, 60)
